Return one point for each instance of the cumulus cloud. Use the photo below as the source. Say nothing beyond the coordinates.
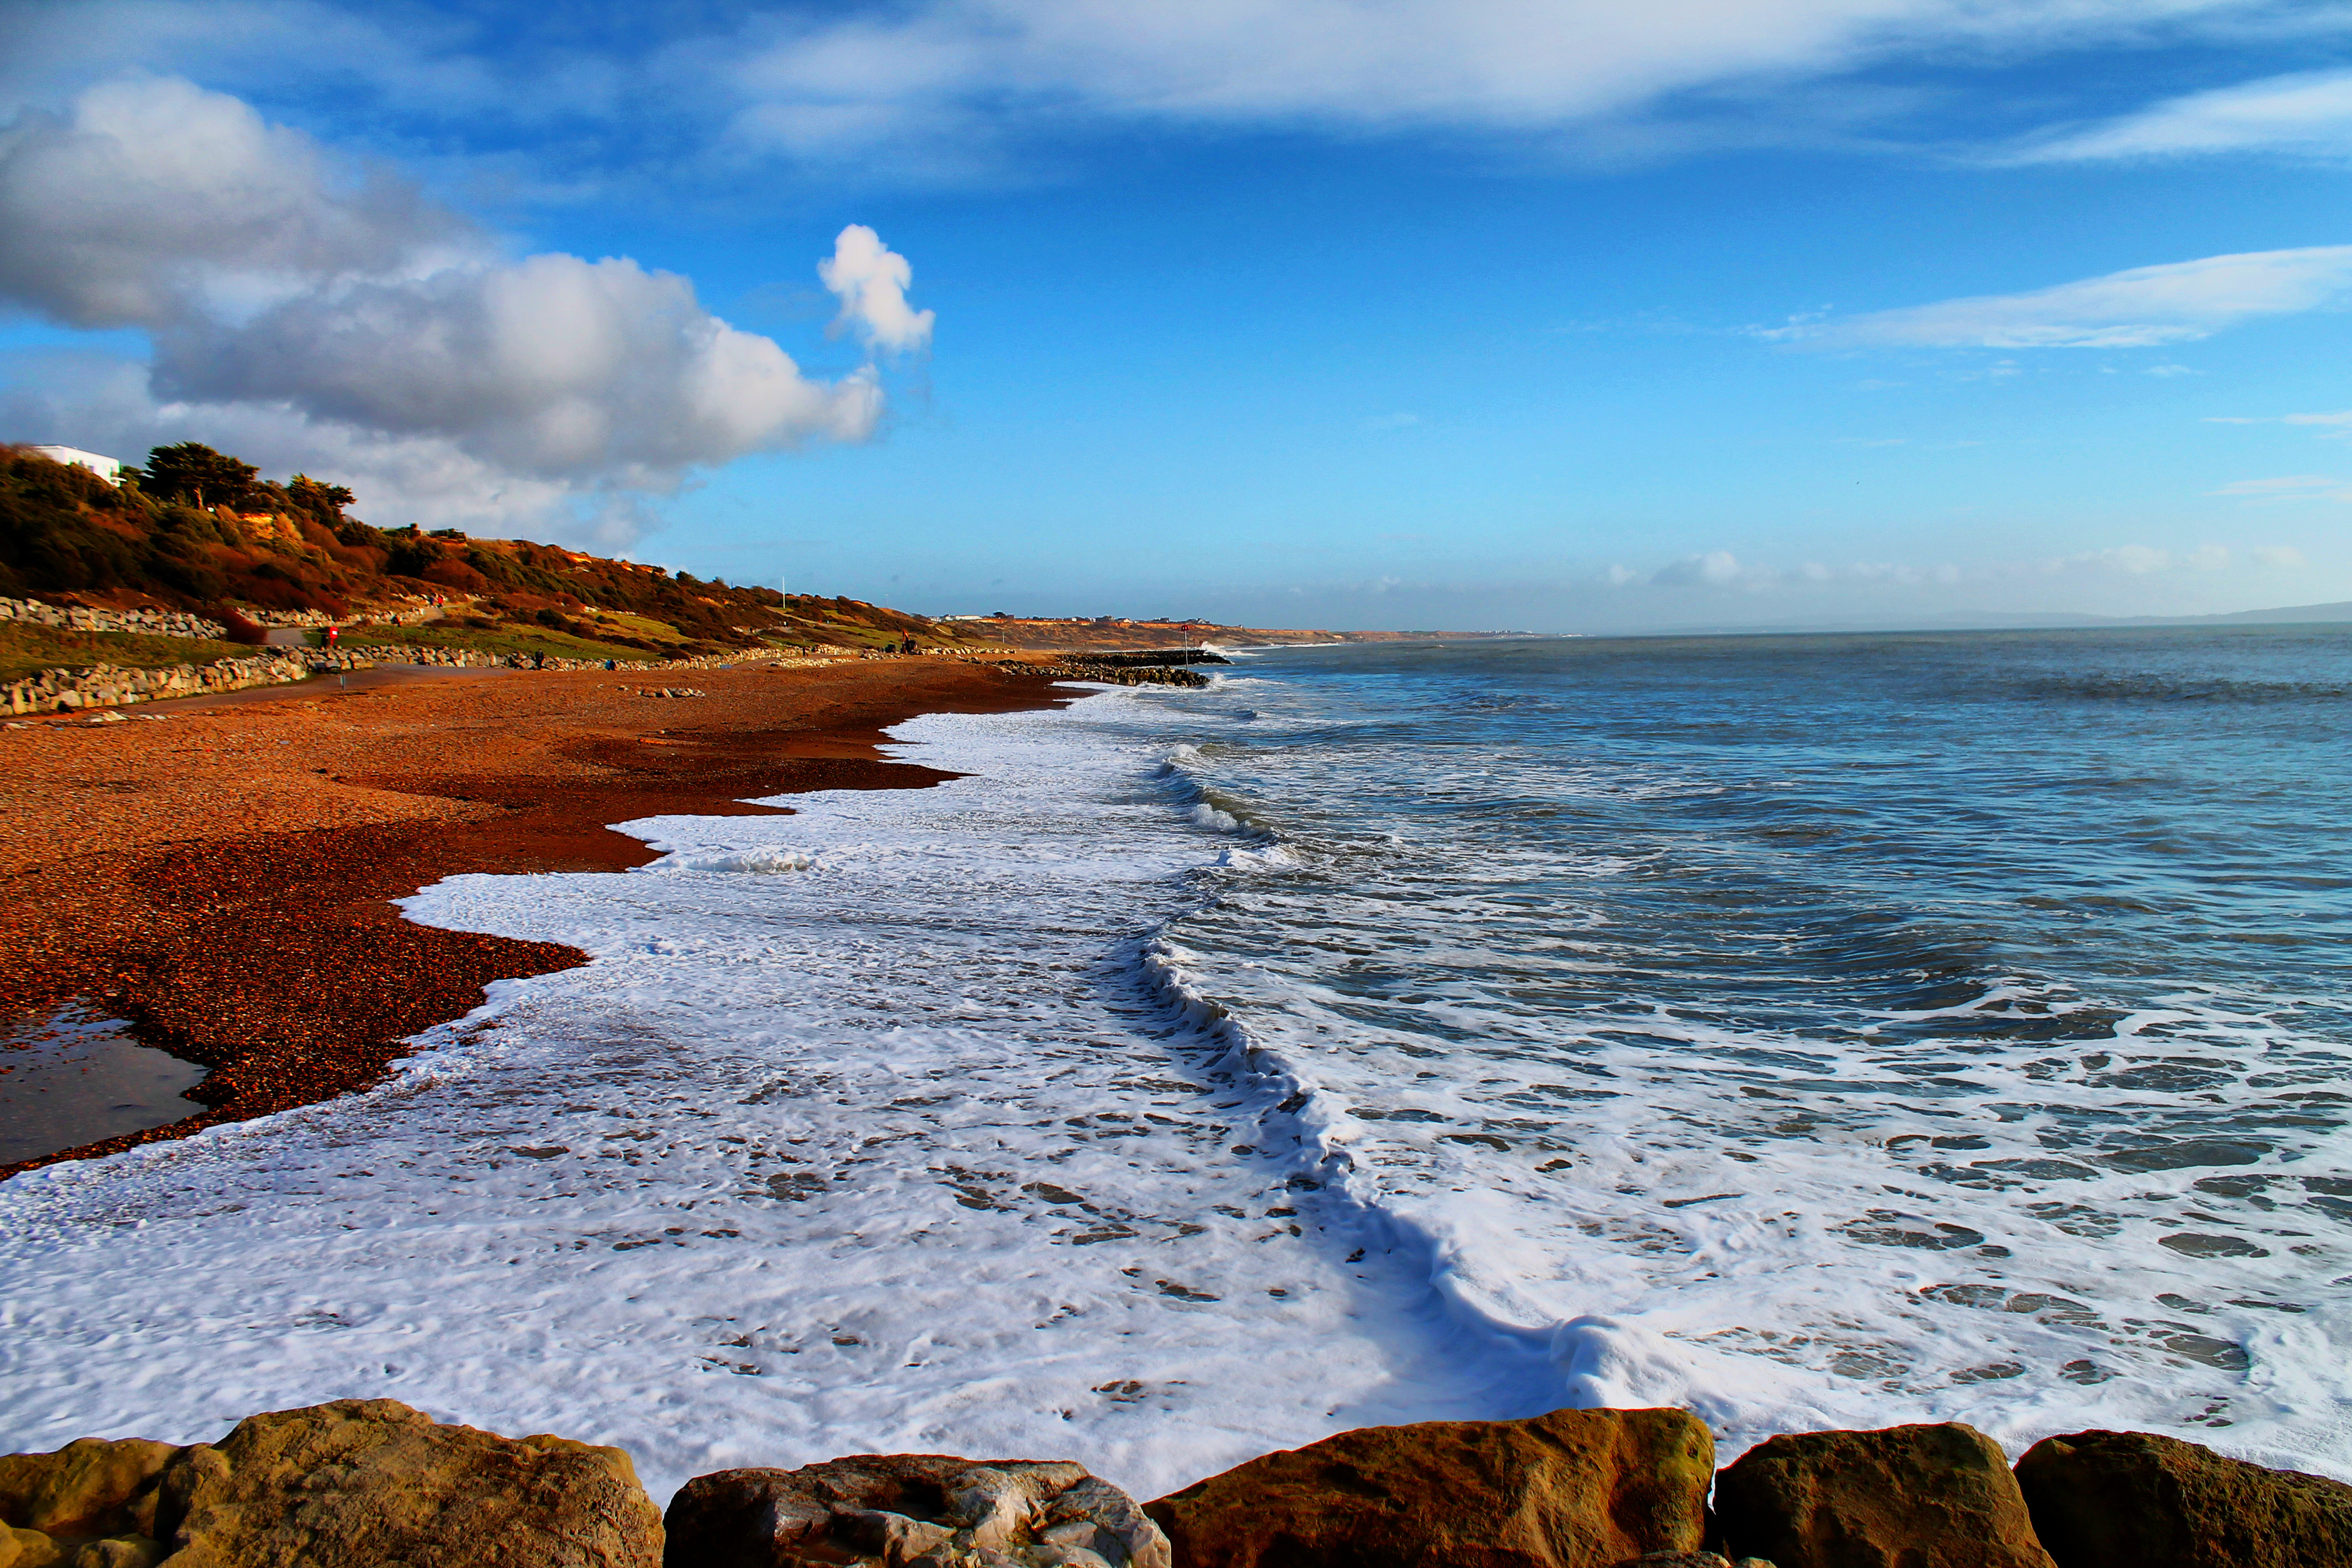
(1714, 569)
(2144, 307)
(273, 280)
(2306, 112)
(107, 404)
(155, 198)
(872, 280)
(551, 365)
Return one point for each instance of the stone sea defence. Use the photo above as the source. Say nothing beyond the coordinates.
(107, 686)
(1563, 1491)
(1083, 668)
(912, 1511)
(358, 1481)
(74, 618)
(374, 1484)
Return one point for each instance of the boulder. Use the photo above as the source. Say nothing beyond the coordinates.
(1906, 1497)
(357, 1483)
(912, 1511)
(84, 1489)
(2158, 1502)
(92, 1504)
(370, 1481)
(1576, 1488)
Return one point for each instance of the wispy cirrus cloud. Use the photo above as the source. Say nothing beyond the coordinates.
(2287, 488)
(2143, 307)
(2337, 424)
(2307, 112)
(953, 88)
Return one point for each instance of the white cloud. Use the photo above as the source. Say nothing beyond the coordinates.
(2308, 112)
(953, 88)
(2175, 302)
(2280, 556)
(872, 280)
(2131, 560)
(2290, 488)
(278, 287)
(106, 405)
(1510, 65)
(2331, 424)
(155, 197)
(1714, 569)
(550, 366)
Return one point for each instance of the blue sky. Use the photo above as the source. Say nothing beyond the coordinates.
(1358, 313)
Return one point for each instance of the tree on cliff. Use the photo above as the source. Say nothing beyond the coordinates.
(322, 500)
(193, 472)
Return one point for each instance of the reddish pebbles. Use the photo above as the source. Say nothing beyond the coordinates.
(220, 878)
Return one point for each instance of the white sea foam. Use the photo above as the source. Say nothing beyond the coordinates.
(766, 857)
(1046, 1112)
(900, 1152)
(1782, 1231)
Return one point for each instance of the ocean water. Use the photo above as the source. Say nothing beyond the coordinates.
(1809, 1031)
(76, 1077)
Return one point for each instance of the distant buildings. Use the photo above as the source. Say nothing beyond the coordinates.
(106, 468)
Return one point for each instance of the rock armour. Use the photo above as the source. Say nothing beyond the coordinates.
(361, 1483)
(912, 1511)
(1576, 1488)
(1906, 1497)
(73, 618)
(2102, 1498)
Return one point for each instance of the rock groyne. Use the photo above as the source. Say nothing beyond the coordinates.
(1086, 668)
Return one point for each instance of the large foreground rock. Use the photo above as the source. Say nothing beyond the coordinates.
(357, 1483)
(1907, 1496)
(2134, 1497)
(932, 1510)
(1576, 1488)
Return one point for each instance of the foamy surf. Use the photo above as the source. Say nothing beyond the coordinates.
(899, 1151)
(1207, 1071)
(1703, 1160)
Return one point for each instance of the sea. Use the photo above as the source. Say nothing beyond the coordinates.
(1809, 1031)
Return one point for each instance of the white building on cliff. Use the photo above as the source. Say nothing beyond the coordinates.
(104, 468)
